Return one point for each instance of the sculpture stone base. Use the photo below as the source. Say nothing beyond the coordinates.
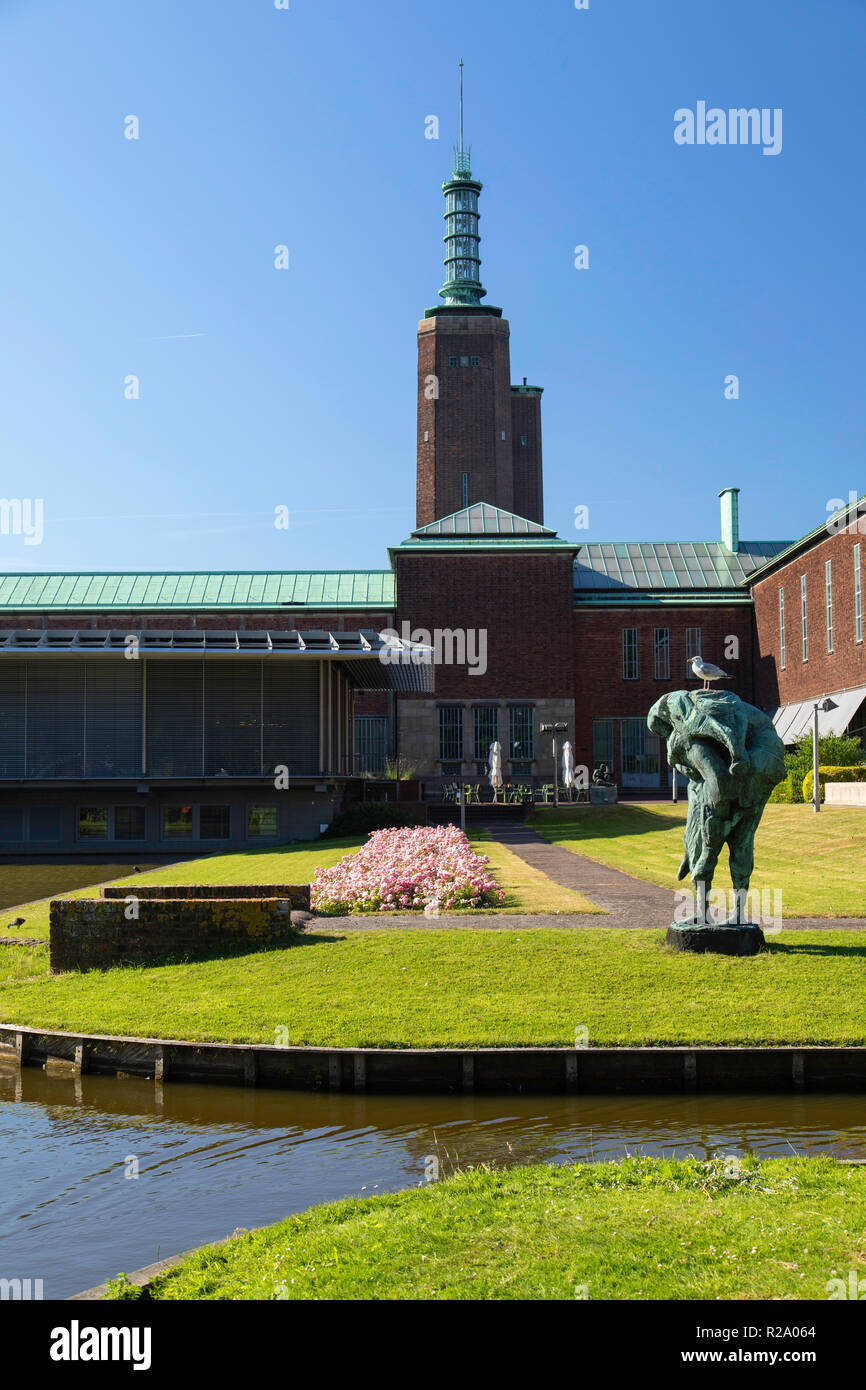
(736, 939)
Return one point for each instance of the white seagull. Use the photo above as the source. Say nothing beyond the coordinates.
(706, 671)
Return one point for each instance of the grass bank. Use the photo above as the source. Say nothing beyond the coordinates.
(527, 890)
(453, 988)
(640, 1229)
(816, 861)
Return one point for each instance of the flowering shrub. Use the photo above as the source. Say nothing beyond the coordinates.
(406, 871)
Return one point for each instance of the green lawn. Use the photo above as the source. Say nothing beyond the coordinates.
(471, 988)
(640, 1229)
(526, 889)
(817, 861)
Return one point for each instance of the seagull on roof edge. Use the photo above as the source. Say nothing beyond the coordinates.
(706, 671)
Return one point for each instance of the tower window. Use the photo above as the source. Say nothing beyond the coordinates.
(502, 432)
(464, 361)
(453, 361)
(523, 440)
(426, 436)
(465, 490)
(475, 361)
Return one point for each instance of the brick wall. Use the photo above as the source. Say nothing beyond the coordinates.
(602, 693)
(823, 672)
(465, 425)
(526, 424)
(94, 934)
(522, 600)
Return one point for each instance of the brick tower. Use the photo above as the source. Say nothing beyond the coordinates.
(479, 437)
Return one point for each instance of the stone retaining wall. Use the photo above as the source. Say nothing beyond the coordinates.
(545, 1070)
(97, 933)
(296, 894)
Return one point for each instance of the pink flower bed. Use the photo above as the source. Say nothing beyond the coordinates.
(406, 871)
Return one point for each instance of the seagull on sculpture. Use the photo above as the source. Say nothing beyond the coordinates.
(706, 671)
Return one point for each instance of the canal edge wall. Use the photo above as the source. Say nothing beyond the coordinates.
(450, 1070)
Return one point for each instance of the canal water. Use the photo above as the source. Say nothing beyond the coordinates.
(209, 1159)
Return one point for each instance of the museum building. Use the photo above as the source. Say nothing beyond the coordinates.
(196, 711)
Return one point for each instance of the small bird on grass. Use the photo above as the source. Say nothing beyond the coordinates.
(16, 922)
(706, 671)
(137, 869)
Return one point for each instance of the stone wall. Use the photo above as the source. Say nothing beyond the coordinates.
(97, 933)
(296, 894)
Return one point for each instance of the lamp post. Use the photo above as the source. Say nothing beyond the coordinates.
(825, 705)
(554, 729)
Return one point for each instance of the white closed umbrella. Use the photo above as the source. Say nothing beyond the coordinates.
(494, 758)
(567, 765)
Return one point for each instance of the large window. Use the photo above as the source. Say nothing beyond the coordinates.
(804, 625)
(214, 822)
(129, 822)
(44, 824)
(450, 734)
(828, 593)
(485, 728)
(639, 754)
(693, 648)
(370, 744)
(521, 734)
(602, 742)
(11, 823)
(262, 822)
(662, 654)
(93, 823)
(629, 654)
(782, 628)
(177, 823)
(858, 599)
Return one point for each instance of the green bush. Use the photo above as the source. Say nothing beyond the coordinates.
(834, 750)
(787, 791)
(832, 774)
(366, 816)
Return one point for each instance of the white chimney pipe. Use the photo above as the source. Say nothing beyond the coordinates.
(730, 518)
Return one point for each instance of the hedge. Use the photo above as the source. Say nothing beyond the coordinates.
(786, 790)
(832, 774)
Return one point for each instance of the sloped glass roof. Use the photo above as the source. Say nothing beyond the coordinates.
(620, 565)
(245, 589)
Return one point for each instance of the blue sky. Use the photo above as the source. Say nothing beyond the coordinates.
(262, 388)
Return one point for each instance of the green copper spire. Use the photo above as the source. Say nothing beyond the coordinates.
(462, 288)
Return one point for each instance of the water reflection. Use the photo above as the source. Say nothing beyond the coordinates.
(210, 1159)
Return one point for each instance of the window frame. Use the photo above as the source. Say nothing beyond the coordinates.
(804, 619)
(453, 738)
(828, 602)
(262, 806)
(662, 648)
(630, 650)
(858, 596)
(525, 714)
(782, 649)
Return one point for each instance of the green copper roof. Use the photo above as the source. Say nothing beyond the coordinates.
(175, 590)
(617, 568)
(483, 519)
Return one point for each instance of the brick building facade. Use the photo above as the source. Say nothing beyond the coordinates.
(527, 629)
